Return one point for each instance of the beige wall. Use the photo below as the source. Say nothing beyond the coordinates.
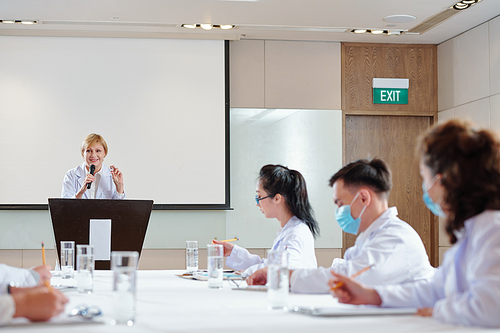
(469, 81)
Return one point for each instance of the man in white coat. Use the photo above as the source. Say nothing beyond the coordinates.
(389, 245)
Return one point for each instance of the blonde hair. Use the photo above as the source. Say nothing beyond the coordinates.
(94, 138)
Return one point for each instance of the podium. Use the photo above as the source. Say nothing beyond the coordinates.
(129, 222)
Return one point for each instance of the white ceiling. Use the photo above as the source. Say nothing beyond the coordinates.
(315, 20)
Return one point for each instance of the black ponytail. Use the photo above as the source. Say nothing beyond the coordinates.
(292, 186)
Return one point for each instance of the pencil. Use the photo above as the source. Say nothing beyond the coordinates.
(230, 240)
(46, 282)
(340, 284)
(43, 254)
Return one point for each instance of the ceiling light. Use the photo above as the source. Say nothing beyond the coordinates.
(206, 26)
(8, 21)
(189, 26)
(226, 26)
(393, 33)
(460, 6)
(359, 31)
(401, 18)
(377, 32)
(468, 1)
(28, 22)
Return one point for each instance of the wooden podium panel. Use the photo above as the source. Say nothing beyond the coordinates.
(129, 222)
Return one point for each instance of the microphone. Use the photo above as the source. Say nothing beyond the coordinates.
(92, 171)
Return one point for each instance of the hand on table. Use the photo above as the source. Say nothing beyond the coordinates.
(38, 303)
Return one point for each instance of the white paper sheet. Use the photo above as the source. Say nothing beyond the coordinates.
(100, 237)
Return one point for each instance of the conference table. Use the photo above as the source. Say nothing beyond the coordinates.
(168, 303)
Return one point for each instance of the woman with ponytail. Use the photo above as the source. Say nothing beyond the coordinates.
(460, 168)
(281, 194)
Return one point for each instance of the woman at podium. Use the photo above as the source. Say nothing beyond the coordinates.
(92, 179)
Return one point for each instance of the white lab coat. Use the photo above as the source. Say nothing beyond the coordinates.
(7, 309)
(466, 288)
(389, 243)
(20, 276)
(73, 180)
(295, 236)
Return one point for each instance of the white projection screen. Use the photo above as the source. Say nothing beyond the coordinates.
(161, 105)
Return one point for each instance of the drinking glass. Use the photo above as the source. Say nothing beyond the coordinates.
(277, 279)
(191, 256)
(215, 264)
(85, 268)
(124, 267)
(67, 259)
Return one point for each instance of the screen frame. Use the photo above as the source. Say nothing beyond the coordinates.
(225, 206)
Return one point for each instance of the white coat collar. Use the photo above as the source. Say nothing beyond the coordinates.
(378, 224)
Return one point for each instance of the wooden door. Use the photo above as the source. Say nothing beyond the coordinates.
(393, 139)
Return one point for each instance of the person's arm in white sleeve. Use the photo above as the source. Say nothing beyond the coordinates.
(68, 188)
(22, 277)
(117, 195)
(311, 281)
(418, 294)
(240, 258)
(7, 309)
(478, 305)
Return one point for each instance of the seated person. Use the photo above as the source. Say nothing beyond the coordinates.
(361, 190)
(281, 194)
(460, 167)
(105, 183)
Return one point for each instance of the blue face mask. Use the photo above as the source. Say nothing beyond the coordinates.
(435, 208)
(345, 219)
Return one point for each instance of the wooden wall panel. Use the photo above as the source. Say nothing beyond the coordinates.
(363, 62)
(390, 131)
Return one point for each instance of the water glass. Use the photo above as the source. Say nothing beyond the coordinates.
(85, 268)
(191, 256)
(67, 259)
(277, 279)
(215, 265)
(124, 267)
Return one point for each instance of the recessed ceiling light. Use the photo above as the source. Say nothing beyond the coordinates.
(189, 26)
(226, 26)
(8, 21)
(377, 32)
(468, 1)
(461, 6)
(206, 26)
(400, 18)
(359, 31)
(28, 22)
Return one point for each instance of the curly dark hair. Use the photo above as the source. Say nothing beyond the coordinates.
(468, 161)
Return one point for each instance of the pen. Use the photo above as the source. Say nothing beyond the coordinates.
(340, 284)
(46, 282)
(229, 240)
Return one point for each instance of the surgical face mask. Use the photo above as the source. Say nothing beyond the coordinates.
(434, 207)
(345, 219)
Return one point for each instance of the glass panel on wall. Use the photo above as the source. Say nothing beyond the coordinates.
(309, 141)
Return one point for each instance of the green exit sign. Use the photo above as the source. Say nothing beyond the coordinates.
(390, 91)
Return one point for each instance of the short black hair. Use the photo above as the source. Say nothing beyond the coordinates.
(374, 174)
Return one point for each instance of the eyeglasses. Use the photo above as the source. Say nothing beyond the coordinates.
(257, 199)
(236, 282)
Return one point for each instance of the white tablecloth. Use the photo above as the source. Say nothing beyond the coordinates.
(167, 303)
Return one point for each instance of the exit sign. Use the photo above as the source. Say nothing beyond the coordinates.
(390, 91)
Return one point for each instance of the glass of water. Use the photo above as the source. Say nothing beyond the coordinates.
(85, 268)
(277, 279)
(191, 256)
(124, 267)
(67, 259)
(215, 264)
